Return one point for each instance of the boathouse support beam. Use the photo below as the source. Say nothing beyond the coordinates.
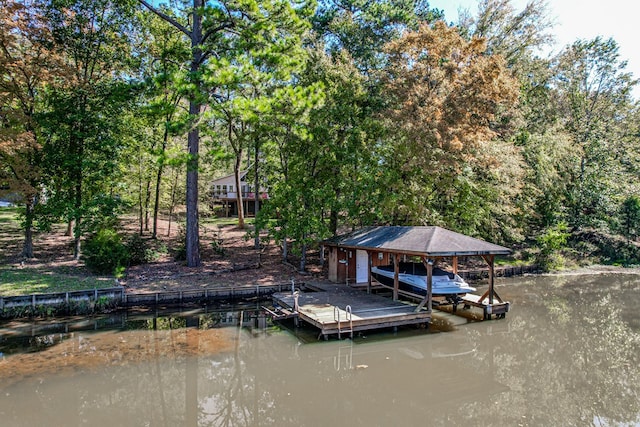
(396, 273)
(491, 292)
(428, 263)
(370, 264)
(490, 260)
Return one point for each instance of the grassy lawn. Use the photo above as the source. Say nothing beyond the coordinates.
(9, 218)
(41, 279)
(225, 221)
(27, 281)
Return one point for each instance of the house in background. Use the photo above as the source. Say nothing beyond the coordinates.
(223, 196)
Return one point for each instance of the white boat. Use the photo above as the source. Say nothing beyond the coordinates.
(414, 277)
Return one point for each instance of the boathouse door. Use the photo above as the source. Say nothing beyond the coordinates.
(362, 267)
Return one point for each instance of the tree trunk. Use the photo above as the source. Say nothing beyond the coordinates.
(27, 247)
(147, 202)
(236, 172)
(69, 231)
(173, 200)
(140, 204)
(76, 240)
(256, 182)
(285, 249)
(156, 203)
(193, 232)
(333, 221)
(303, 257)
(78, 206)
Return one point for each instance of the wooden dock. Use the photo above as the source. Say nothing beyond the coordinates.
(339, 310)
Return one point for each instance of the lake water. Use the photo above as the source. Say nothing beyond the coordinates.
(567, 354)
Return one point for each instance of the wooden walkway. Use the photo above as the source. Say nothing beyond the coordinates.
(339, 309)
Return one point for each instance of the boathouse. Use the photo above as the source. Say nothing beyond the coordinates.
(351, 256)
(342, 308)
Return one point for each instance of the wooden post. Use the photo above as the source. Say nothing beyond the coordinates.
(490, 261)
(396, 272)
(370, 260)
(429, 284)
(455, 265)
(428, 300)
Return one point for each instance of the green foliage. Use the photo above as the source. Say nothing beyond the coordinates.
(597, 246)
(594, 99)
(510, 33)
(362, 113)
(137, 248)
(551, 243)
(82, 116)
(217, 247)
(554, 238)
(141, 251)
(75, 307)
(217, 244)
(361, 28)
(104, 304)
(179, 249)
(28, 311)
(630, 214)
(105, 253)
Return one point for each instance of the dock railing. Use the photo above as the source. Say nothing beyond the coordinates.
(348, 318)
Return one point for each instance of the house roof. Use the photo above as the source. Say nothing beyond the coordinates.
(227, 177)
(426, 241)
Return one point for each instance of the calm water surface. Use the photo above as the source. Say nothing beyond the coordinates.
(567, 354)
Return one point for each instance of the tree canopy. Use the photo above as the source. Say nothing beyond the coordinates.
(350, 113)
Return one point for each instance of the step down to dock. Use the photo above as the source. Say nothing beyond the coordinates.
(280, 313)
(497, 308)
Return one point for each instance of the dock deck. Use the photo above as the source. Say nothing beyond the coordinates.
(339, 309)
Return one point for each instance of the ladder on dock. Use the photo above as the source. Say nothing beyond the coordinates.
(348, 318)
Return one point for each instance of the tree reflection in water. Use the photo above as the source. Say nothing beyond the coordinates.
(567, 354)
(570, 357)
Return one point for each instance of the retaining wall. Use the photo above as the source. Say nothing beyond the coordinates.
(118, 296)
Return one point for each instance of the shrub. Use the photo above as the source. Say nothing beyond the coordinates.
(180, 247)
(551, 243)
(137, 248)
(141, 251)
(104, 252)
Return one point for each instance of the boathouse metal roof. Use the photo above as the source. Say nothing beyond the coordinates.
(426, 240)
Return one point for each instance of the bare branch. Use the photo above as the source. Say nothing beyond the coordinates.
(166, 17)
(220, 27)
